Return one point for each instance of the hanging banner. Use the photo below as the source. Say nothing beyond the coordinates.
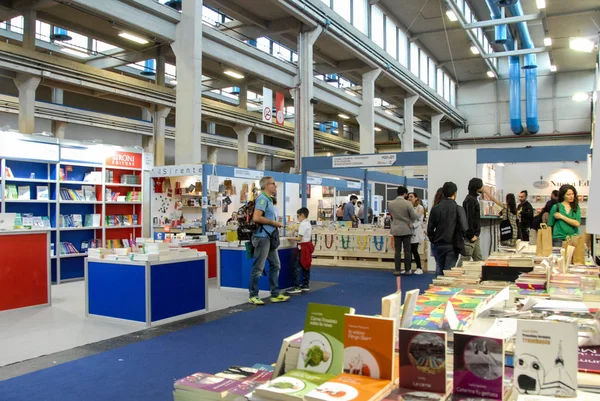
(314, 180)
(125, 159)
(177, 171)
(354, 185)
(267, 113)
(249, 174)
(280, 107)
(364, 160)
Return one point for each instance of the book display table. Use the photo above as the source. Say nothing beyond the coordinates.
(211, 252)
(24, 269)
(146, 292)
(234, 267)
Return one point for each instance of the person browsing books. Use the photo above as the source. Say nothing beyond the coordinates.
(403, 216)
(565, 216)
(418, 233)
(305, 247)
(266, 241)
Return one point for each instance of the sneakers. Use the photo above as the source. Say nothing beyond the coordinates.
(256, 301)
(294, 291)
(418, 271)
(280, 298)
(398, 273)
(408, 273)
(305, 288)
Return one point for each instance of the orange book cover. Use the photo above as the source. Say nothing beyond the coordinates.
(350, 387)
(369, 346)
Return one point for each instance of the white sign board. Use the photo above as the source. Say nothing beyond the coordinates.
(177, 171)
(354, 185)
(364, 160)
(148, 161)
(267, 113)
(88, 155)
(248, 174)
(13, 147)
(314, 180)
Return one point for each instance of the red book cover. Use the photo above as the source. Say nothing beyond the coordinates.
(589, 359)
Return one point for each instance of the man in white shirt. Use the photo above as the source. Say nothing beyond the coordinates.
(304, 237)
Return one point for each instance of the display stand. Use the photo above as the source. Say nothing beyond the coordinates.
(146, 292)
(25, 269)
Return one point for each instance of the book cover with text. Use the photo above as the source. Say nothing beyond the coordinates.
(423, 360)
(348, 387)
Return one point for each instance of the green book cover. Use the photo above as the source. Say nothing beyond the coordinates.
(322, 348)
(293, 386)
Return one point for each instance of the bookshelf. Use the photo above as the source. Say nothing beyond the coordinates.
(63, 185)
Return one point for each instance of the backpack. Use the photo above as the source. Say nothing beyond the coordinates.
(246, 226)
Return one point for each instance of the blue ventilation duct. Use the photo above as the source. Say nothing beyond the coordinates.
(149, 68)
(504, 36)
(530, 66)
(60, 35)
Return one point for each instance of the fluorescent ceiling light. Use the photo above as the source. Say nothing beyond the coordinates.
(581, 44)
(540, 4)
(547, 41)
(451, 16)
(377, 129)
(580, 97)
(133, 38)
(344, 116)
(233, 74)
(474, 50)
(553, 68)
(74, 52)
(316, 123)
(491, 74)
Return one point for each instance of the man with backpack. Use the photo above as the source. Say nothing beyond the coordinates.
(266, 241)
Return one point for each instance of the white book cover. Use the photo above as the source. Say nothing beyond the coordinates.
(546, 358)
(77, 221)
(42, 193)
(24, 193)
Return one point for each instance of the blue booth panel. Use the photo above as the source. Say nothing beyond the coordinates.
(177, 288)
(236, 268)
(117, 290)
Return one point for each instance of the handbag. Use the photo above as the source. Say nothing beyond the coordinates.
(459, 236)
(506, 230)
(578, 242)
(544, 241)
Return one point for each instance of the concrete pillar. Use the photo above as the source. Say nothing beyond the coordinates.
(366, 114)
(242, 131)
(304, 143)
(58, 96)
(160, 66)
(261, 160)
(159, 127)
(148, 143)
(27, 84)
(58, 127)
(408, 137)
(435, 132)
(340, 123)
(188, 51)
(260, 138)
(29, 18)
(243, 97)
(146, 114)
(211, 151)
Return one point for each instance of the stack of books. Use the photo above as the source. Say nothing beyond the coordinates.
(67, 248)
(72, 195)
(122, 220)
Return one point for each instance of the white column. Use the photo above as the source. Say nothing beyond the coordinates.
(159, 126)
(340, 123)
(29, 18)
(188, 51)
(58, 96)
(160, 66)
(366, 114)
(211, 151)
(243, 97)
(261, 160)
(59, 128)
(408, 137)
(242, 131)
(304, 143)
(27, 84)
(435, 132)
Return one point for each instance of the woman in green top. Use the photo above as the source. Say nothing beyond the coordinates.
(565, 216)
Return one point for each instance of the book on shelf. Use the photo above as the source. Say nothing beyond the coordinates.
(478, 366)
(27, 220)
(546, 358)
(67, 248)
(322, 348)
(42, 193)
(134, 219)
(77, 220)
(89, 193)
(24, 192)
(38, 222)
(119, 220)
(93, 177)
(46, 222)
(11, 192)
(93, 220)
(84, 246)
(8, 172)
(110, 221)
(292, 386)
(79, 194)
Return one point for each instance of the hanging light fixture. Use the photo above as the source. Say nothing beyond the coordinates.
(60, 35)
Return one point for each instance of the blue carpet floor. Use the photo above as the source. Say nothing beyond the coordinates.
(146, 370)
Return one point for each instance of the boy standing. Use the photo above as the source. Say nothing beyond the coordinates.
(304, 254)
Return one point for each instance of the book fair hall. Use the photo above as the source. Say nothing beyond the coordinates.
(299, 200)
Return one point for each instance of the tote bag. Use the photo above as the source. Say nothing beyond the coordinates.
(506, 230)
(543, 245)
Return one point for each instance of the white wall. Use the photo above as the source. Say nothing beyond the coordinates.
(458, 166)
(486, 108)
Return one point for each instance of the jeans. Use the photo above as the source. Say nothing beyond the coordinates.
(472, 250)
(301, 275)
(445, 257)
(262, 253)
(399, 243)
(414, 248)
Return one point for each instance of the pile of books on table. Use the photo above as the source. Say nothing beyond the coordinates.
(467, 275)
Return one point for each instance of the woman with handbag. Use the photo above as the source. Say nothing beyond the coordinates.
(565, 216)
(418, 232)
(509, 227)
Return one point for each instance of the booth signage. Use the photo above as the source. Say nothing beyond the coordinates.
(148, 161)
(314, 180)
(30, 150)
(248, 174)
(280, 107)
(364, 160)
(125, 159)
(267, 114)
(354, 185)
(88, 155)
(177, 171)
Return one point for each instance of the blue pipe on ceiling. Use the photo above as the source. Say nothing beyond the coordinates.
(530, 66)
(504, 36)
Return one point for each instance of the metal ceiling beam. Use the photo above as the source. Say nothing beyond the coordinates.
(242, 31)
(341, 66)
(519, 52)
(504, 21)
(18, 6)
(236, 12)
